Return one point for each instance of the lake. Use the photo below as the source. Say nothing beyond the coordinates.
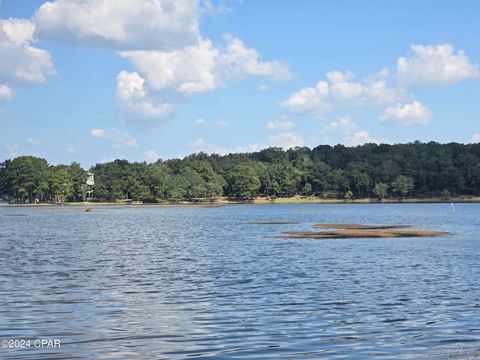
(166, 282)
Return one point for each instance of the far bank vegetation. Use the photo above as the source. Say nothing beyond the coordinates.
(371, 171)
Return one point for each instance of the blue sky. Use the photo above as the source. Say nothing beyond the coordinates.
(92, 81)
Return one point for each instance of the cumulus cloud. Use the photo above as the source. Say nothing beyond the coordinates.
(164, 79)
(203, 66)
(281, 134)
(407, 114)
(162, 40)
(427, 65)
(435, 65)
(345, 131)
(239, 61)
(6, 93)
(99, 133)
(476, 138)
(139, 25)
(249, 148)
(285, 139)
(199, 121)
(119, 139)
(187, 70)
(282, 124)
(71, 150)
(34, 142)
(12, 149)
(263, 88)
(208, 6)
(22, 62)
(200, 144)
(222, 123)
(135, 101)
(151, 155)
(341, 91)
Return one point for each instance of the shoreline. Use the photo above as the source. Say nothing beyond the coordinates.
(295, 200)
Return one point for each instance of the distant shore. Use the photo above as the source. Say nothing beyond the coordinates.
(264, 200)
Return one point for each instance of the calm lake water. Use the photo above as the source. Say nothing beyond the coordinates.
(177, 282)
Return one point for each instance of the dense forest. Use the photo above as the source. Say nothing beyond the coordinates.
(382, 171)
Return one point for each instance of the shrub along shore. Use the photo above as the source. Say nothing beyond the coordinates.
(413, 172)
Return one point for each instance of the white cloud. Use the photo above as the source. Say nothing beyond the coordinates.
(165, 78)
(21, 62)
(476, 138)
(280, 135)
(71, 150)
(345, 131)
(186, 71)
(135, 102)
(263, 88)
(435, 65)
(12, 149)
(151, 155)
(407, 114)
(430, 64)
(282, 124)
(340, 91)
(34, 142)
(99, 133)
(285, 139)
(249, 148)
(202, 67)
(6, 93)
(119, 139)
(162, 40)
(222, 123)
(208, 6)
(199, 121)
(242, 61)
(200, 144)
(139, 25)
(130, 86)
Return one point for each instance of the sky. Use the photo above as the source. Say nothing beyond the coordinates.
(95, 80)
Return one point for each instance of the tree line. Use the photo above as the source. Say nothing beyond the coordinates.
(368, 171)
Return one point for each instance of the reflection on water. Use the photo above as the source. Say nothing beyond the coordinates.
(170, 283)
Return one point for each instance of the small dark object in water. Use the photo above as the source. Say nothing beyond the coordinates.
(88, 209)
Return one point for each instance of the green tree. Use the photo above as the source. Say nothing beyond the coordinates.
(83, 191)
(403, 184)
(61, 185)
(78, 176)
(380, 190)
(307, 189)
(361, 182)
(25, 179)
(445, 194)
(348, 195)
(244, 182)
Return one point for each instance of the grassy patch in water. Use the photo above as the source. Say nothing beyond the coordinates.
(359, 226)
(272, 222)
(359, 233)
